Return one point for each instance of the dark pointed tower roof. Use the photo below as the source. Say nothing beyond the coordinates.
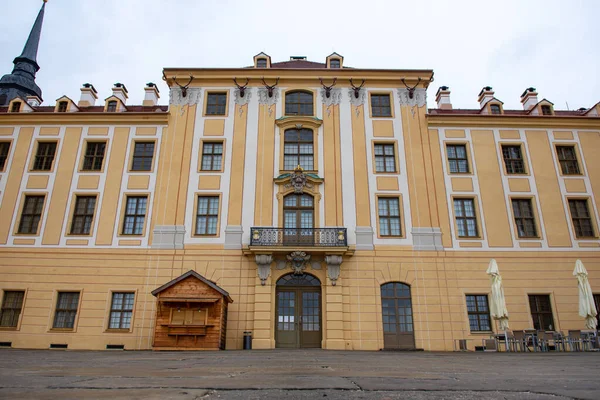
(21, 82)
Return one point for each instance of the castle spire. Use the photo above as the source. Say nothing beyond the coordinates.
(21, 82)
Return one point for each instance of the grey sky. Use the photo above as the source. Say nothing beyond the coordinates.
(510, 45)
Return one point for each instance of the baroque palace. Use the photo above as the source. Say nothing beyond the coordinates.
(309, 204)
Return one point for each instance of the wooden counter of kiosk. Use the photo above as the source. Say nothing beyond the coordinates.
(191, 314)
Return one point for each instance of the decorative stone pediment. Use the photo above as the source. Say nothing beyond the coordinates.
(298, 122)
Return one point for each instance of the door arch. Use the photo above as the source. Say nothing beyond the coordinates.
(397, 316)
(298, 312)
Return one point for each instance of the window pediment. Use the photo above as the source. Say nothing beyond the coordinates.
(298, 122)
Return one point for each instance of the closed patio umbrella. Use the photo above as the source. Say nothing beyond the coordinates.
(498, 304)
(587, 308)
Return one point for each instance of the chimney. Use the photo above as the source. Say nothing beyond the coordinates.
(151, 95)
(442, 97)
(89, 95)
(485, 95)
(529, 98)
(120, 91)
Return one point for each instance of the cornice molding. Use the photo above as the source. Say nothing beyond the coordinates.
(79, 118)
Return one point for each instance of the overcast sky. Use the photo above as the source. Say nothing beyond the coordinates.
(510, 45)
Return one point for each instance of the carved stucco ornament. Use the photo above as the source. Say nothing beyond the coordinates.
(298, 181)
(263, 98)
(263, 263)
(419, 97)
(335, 98)
(357, 101)
(297, 261)
(334, 263)
(192, 96)
(242, 101)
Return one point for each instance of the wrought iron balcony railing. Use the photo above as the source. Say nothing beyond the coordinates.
(305, 237)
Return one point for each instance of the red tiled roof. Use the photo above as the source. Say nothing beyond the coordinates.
(98, 109)
(298, 64)
(468, 111)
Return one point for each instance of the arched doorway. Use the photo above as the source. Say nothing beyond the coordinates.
(396, 307)
(298, 312)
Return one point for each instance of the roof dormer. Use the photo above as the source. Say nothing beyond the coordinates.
(544, 107)
(262, 60)
(335, 61)
(594, 111)
(18, 105)
(65, 104)
(114, 104)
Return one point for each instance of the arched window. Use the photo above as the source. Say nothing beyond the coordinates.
(298, 149)
(298, 218)
(299, 103)
(298, 280)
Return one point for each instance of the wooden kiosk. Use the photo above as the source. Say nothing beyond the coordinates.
(191, 314)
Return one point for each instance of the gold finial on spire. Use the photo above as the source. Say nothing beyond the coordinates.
(45, 1)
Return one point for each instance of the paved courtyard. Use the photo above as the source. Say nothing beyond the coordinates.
(298, 374)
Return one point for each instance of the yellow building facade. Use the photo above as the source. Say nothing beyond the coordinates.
(332, 207)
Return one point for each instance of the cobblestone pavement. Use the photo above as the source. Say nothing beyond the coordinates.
(297, 374)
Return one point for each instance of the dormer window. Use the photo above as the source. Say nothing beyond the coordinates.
(111, 106)
(62, 106)
(16, 107)
(546, 110)
(334, 63)
(261, 63)
(495, 109)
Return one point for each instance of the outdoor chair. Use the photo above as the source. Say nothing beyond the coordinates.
(559, 341)
(544, 339)
(575, 341)
(518, 341)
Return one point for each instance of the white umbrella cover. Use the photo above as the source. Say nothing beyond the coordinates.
(498, 304)
(587, 308)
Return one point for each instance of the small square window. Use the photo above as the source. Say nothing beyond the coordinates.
(66, 310)
(12, 305)
(207, 215)
(385, 158)
(62, 106)
(44, 156)
(16, 107)
(513, 160)
(212, 156)
(457, 158)
(112, 106)
(4, 148)
(334, 63)
(380, 105)
(143, 154)
(261, 63)
(495, 109)
(546, 110)
(31, 214)
(135, 215)
(216, 103)
(567, 157)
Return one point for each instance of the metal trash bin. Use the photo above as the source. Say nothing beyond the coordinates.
(247, 340)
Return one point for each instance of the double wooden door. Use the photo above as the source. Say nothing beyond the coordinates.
(298, 317)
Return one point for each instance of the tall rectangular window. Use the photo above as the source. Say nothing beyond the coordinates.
(524, 218)
(541, 312)
(143, 153)
(216, 103)
(12, 304)
(16, 107)
(4, 148)
(582, 219)
(385, 158)
(298, 149)
(389, 216)
(135, 214)
(212, 156)
(380, 105)
(457, 158)
(513, 159)
(479, 313)
(121, 310)
(94, 156)
(66, 310)
(83, 215)
(466, 220)
(568, 160)
(207, 215)
(44, 156)
(31, 215)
